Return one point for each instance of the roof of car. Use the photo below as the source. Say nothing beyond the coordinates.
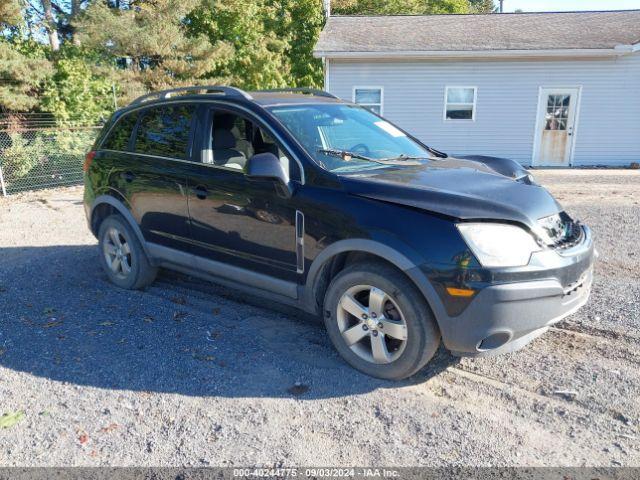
(265, 98)
(512, 31)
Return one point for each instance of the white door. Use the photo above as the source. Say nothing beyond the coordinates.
(555, 126)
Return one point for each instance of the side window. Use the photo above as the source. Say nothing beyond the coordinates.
(235, 139)
(120, 134)
(164, 131)
(460, 103)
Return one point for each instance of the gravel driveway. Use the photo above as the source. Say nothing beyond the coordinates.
(186, 374)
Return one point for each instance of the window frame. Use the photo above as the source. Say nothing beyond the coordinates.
(365, 105)
(474, 105)
(112, 127)
(196, 140)
(189, 154)
(208, 112)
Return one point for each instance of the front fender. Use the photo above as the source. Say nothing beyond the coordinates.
(402, 257)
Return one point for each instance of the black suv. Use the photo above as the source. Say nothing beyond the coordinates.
(305, 199)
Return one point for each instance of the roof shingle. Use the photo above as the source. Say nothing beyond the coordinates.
(473, 33)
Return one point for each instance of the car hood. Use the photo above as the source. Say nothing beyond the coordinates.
(457, 187)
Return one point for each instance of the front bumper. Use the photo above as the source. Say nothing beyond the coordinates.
(505, 317)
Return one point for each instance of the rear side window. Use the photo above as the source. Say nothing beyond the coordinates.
(164, 131)
(120, 134)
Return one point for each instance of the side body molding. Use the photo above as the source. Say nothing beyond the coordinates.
(125, 212)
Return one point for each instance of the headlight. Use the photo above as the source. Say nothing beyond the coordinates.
(499, 245)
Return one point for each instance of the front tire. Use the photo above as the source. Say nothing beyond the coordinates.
(121, 255)
(379, 321)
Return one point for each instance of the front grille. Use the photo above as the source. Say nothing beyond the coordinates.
(560, 231)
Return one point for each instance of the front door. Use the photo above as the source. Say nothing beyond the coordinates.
(555, 126)
(234, 220)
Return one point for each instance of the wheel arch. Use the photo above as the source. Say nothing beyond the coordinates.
(321, 270)
(105, 205)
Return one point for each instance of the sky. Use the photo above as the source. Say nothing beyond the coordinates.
(569, 5)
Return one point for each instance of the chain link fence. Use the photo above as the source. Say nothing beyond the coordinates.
(38, 152)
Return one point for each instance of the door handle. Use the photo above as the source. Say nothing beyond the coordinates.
(201, 192)
(127, 176)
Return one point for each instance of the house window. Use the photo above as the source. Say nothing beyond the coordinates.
(369, 97)
(460, 103)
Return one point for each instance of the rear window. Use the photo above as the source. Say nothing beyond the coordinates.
(164, 131)
(120, 134)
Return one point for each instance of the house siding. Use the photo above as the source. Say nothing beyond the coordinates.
(607, 129)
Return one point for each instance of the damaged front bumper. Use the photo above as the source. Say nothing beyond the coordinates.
(504, 317)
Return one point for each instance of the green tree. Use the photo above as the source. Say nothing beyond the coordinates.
(23, 66)
(9, 13)
(75, 92)
(299, 23)
(399, 7)
(258, 54)
(151, 44)
(482, 6)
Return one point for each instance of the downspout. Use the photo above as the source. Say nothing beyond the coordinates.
(326, 5)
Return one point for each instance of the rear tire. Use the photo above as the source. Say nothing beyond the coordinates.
(379, 321)
(122, 256)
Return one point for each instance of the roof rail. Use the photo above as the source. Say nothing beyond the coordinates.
(308, 91)
(215, 89)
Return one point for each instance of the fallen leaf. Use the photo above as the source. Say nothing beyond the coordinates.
(8, 420)
(83, 438)
(106, 324)
(110, 428)
(212, 336)
(53, 323)
(204, 358)
(298, 389)
(179, 316)
(179, 300)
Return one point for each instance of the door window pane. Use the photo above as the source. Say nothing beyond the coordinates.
(164, 131)
(120, 134)
(460, 103)
(369, 98)
(557, 115)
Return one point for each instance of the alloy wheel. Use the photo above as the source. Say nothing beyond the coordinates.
(117, 253)
(372, 324)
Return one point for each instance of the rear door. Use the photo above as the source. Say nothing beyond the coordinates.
(154, 179)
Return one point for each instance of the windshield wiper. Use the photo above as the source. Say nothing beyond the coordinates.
(347, 155)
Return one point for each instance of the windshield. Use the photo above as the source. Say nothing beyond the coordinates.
(345, 138)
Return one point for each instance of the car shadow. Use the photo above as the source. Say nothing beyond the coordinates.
(62, 320)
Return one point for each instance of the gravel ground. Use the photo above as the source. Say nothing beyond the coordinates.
(185, 374)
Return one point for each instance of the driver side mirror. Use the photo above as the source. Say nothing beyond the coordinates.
(266, 166)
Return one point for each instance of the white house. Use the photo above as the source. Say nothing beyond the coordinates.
(546, 89)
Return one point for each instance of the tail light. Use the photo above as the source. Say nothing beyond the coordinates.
(87, 160)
